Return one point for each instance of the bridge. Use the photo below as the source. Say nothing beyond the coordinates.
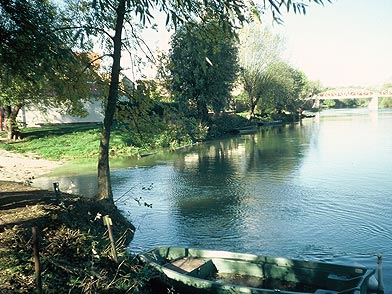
(353, 93)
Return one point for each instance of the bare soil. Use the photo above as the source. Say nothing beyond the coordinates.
(23, 167)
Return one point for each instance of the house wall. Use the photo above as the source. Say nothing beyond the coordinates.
(31, 117)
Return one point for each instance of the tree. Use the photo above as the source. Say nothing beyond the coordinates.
(37, 65)
(111, 21)
(203, 67)
(259, 48)
(139, 111)
(22, 22)
(285, 89)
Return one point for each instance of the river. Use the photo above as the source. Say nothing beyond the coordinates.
(320, 190)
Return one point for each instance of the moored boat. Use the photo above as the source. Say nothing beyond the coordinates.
(191, 270)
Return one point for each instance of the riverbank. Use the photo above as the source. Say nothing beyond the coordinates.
(22, 168)
(74, 247)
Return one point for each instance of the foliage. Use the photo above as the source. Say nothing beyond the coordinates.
(259, 48)
(37, 65)
(284, 89)
(345, 103)
(74, 253)
(31, 48)
(26, 34)
(223, 124)
(111, 23)
(202, 67)
(135, 110)
(385, 103)
(329, 103)
(151, 123)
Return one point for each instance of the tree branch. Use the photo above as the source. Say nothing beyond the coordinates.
(85, 28)
(96, 59)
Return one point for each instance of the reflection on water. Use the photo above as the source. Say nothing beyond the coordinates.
(83, 184)
(320, 190)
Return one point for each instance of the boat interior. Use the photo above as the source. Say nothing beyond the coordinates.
(259, 272)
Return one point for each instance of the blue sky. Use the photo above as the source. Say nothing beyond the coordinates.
(341, 44)
(344, 43)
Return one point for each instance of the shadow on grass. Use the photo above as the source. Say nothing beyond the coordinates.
(56, 130)
(12, 200)
(37, 207)
(25, 208)
(69, 233)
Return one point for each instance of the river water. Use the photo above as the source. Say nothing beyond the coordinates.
(320, 190)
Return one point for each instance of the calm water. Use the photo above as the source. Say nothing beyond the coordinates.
(320, 191)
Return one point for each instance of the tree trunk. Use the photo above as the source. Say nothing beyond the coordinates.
(1, 119)
(104, 182)
(202, 110)
(10, 115)
(252, 111)
(253, 103)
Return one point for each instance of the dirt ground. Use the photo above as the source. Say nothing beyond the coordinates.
(21, 204)
(16, 196)
(23, 167)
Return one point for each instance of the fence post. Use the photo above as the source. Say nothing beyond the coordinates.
(36, 261)
(57, 192)
(108, 222)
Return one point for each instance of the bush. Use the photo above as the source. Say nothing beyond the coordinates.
(385, 103)
(222, 124)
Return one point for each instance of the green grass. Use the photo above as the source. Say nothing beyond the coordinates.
(69, 142)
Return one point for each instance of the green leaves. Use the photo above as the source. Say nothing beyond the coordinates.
(259, 48)
(284, 88)
(203, 67)
(274, 6)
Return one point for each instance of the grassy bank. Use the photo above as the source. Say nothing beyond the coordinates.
(62, 142)
(69, 142)
(75, 251)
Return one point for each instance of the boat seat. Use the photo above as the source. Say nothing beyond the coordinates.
(195, 267)
(185, 265)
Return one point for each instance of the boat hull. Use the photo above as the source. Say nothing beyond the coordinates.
(205, 271)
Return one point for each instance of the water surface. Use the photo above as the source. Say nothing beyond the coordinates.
(321, 190)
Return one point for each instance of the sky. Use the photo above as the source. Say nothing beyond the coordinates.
(342, 44)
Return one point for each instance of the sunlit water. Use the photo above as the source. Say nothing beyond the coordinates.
(320, 191)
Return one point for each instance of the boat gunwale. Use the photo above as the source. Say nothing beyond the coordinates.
(363, 273)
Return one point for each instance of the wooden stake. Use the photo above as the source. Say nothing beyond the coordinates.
(36, 261)
(57, 192)
(108, 222)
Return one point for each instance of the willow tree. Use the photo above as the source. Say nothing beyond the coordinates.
(114, 22)
(259, 48)
(285, 89)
